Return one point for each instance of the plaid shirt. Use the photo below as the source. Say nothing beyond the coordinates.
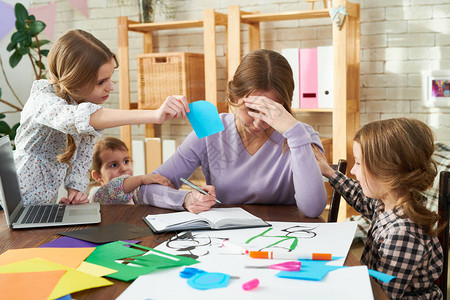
(395, 246)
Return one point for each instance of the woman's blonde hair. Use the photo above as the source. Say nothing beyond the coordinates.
(398, 153)
(74, 61)
(106, 143)
(263, 70)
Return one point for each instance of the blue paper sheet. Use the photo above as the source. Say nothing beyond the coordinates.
(204, 118)
(381, 276)
(310, 270)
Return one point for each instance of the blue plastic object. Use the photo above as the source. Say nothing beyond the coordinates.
(202, 280)
(190, 272)
(206, 281)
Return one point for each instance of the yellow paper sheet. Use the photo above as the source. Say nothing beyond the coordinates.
(94, 269)
(29, 285)
(72, 281)
(70, 257)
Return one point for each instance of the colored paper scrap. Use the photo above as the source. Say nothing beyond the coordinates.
(72, 281)
(29, 285)
(381, 276)
(109, 233)
(311, 270)
(70, 257)
(204, 118)
(131, 262)
(95, 270)
(70, 242)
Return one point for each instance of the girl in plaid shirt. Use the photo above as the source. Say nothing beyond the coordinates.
(393, 164)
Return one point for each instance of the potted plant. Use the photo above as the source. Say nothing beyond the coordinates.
(24, 42)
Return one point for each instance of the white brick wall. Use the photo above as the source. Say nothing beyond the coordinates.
(399, 39)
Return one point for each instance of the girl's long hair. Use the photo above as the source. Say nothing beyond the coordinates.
(263, 70)
(74, 61)
(398, 153)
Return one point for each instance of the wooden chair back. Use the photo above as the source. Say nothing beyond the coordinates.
(335, 196)
(444, 199)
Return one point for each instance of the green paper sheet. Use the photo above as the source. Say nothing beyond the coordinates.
(139, 264)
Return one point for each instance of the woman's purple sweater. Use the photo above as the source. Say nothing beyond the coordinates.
(267, 177)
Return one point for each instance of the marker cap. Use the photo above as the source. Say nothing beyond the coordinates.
(321, 256)
(250, 285)
(259, 254)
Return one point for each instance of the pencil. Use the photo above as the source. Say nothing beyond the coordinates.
(189, 183)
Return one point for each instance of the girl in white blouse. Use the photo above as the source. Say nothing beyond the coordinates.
(55, 139)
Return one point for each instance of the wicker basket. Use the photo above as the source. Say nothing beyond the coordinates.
(164, 74)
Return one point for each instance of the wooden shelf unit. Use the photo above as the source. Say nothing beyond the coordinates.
(346, 48)
(346, 45)
(210, 20)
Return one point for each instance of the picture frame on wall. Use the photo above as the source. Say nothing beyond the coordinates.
(436, 88)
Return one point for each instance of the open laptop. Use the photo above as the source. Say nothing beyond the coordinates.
(42, 215)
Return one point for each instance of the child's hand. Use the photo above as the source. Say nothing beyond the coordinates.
(74, 197)
(173, 107)
(324, 167)
(156, 178)
(195, 202)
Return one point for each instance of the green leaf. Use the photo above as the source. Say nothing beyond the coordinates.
(13, 132)
(23, 50)
(14, 59)
(44, 42)
(11, 46)
(18, 37)
(44, 52)
(39, 64)
(4, 127)
(37, 27)
(2, 116)
(20, 26)
(20, 12)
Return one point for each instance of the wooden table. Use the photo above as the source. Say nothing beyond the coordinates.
(132, 214)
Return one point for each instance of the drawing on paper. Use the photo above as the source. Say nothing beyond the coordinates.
(289, 241)
(193, 244)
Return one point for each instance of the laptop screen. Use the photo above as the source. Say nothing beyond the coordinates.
(8, 176)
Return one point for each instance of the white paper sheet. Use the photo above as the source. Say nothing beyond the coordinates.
(336, 238)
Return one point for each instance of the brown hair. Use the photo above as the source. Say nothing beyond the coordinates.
(106, 143)
(263, 70)
(74, 61)
(398, 153)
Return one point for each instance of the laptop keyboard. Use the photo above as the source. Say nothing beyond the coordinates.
(52, 213)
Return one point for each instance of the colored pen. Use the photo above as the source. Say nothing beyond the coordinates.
(189, 183)
(231, 248)
(277, 255)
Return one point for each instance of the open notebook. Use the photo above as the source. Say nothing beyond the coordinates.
(215, 218)
(43, 215)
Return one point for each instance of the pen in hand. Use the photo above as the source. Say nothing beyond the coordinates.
(187, 182)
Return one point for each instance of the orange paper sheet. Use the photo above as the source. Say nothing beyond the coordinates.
(33, 285)
(72, 281)
(70, 257)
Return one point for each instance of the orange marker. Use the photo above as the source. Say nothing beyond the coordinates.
(277, 255)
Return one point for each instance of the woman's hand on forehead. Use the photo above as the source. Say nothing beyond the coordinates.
(271, 112)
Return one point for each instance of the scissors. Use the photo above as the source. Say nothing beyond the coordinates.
(292, 266)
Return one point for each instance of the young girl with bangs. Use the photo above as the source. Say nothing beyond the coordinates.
(112, 169)
(393, 165)
(64, 112)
